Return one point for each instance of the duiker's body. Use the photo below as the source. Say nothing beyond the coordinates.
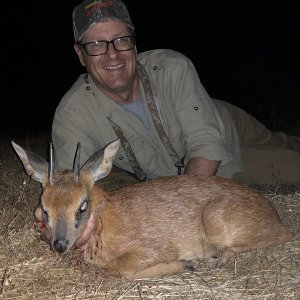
(155, 227)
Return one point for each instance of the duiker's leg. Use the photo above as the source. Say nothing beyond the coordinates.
(282, 236)
(264, 241)
(158, 270)
(229, 252)
(133, 266)
(238, 224)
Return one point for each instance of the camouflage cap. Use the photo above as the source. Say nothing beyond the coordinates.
(89, 12)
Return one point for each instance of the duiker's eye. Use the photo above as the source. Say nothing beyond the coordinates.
(84, 206)
(81, 213)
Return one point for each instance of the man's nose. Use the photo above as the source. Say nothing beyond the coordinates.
(111, 51)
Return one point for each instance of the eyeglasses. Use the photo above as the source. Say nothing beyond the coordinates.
(122, 43)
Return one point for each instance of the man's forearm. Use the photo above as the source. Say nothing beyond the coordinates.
(201, 166)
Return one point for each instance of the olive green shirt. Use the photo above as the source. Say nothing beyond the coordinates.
(196, 125)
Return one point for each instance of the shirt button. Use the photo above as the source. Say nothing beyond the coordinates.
(155, 68)
(120, 157)
(88, 88)
(196, 107)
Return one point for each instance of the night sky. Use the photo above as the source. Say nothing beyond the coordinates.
(246, 55)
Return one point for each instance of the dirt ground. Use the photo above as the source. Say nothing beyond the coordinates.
(30, 270)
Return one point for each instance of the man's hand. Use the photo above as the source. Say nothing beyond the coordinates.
(201, 166)
(46, 234)
(87, 232)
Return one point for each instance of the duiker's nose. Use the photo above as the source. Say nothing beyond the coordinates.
(60, 245)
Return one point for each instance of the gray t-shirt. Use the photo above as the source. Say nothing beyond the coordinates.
(138, 109)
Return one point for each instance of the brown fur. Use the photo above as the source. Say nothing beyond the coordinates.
(156, 227)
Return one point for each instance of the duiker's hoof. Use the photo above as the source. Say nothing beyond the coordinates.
(219, 264)
(188, 265)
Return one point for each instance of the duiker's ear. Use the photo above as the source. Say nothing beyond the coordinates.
(35, 166)
(100, 164)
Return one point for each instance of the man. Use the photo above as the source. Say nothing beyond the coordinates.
(155, 103)
(114, 99)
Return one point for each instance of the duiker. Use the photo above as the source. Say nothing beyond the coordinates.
(156, 227)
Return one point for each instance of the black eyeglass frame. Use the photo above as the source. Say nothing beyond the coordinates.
(83, 45)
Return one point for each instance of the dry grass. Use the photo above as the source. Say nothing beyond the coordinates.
(30, 270)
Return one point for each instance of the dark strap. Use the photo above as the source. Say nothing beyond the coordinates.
(156, 119)
(129, 152)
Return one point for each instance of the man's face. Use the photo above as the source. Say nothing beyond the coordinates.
(114, 71)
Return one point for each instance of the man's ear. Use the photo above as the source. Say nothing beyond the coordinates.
(78, 50)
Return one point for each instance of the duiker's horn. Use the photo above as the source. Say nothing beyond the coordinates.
(51, 164)
(77, 164)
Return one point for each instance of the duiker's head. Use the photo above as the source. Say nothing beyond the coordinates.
(67, 196)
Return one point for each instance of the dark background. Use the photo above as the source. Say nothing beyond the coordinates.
(245, 54)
